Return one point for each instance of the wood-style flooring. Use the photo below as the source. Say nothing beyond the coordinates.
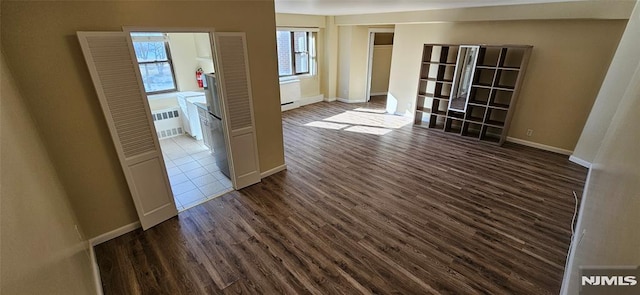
(411, 211)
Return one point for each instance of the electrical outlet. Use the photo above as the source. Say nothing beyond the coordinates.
(529, 132)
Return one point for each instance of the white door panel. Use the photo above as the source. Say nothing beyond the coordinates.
(114, 72)
(237, 104)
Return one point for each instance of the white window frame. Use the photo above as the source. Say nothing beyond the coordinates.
(165, 39)
(312, 48)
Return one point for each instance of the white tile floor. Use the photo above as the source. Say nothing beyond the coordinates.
(192, 170)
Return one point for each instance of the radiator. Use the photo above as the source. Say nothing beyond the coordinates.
(289, 91)
(167, 122)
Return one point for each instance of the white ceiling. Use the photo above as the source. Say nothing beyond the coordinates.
(346, 7)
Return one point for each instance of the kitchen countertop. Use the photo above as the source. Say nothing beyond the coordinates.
(201, 105)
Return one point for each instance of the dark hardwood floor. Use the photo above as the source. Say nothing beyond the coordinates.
(411, 211)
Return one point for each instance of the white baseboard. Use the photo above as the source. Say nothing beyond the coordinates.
(273, 171)
(114, 233)
(539, 146)
(311, 99)
(96, 271)
(575, 239)
(340, 99)
(329, 99)
(377, 93)
(302, 102)
(579, 161)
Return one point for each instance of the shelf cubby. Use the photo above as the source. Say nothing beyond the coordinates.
(475, 114)
(439, 107)
(506, 79)
(488, 57)
(512, 57)
(494, 90)
(484, 76)
(421, 119)
(470, 129)
(491, 134)
(495, 117)
(479, 96)
(453, 125)
(500, 99)
(437, 122)
(455, 114)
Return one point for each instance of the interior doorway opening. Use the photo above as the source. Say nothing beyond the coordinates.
(380, 51)
(178, 74)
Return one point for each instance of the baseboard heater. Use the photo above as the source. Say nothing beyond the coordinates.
(167, 122)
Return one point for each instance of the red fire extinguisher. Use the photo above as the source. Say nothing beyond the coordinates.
(199, 73)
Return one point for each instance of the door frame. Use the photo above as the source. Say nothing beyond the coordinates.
(211, 31)
(372, 35)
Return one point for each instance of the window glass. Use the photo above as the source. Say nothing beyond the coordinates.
(157, 76)
(284, 53)
(301, 47)
(150, 51)
(154, 58)
(294, 52)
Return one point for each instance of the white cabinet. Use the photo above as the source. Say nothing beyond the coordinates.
(190, 121)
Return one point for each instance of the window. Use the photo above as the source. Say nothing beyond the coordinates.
(294, 52)
(154, 58)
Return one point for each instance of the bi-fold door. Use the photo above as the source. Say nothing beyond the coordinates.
(115, 74)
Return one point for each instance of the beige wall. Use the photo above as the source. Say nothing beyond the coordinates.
(591, 9)
(568, 63)
(183, 55)
(608, 215)
(620, 72)
(329, 62)
(41, 250)
(381, 68)
(353, 55)
(39, 39)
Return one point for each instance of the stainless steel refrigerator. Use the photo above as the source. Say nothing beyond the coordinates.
(216, 129)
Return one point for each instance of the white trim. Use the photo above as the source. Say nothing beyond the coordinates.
(575, 240)
(129, 29)
(370, 46)
(97, 280)
(114, 233)
(579, 161)
(327, 99)
(371, 35)
(349, 101)
(382, 30)
(539, 146)
(302, 102)
(377, 93)
(273, 171)
(298, 29)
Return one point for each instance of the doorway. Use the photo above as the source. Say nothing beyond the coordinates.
(174, 68)
(380, 51)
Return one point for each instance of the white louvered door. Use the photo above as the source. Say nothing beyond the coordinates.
(113, 67)
(232, 65)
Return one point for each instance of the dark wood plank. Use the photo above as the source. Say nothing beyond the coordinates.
(412, 211)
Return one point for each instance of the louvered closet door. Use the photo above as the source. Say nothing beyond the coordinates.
(113, 68)
(235, 90)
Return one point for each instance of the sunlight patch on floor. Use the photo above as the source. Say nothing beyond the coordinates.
(326, 125)
(370, 119)
(377, 111)
(368, 130)
(363, 120)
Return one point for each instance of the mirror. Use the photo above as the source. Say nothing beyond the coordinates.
(463, 77)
